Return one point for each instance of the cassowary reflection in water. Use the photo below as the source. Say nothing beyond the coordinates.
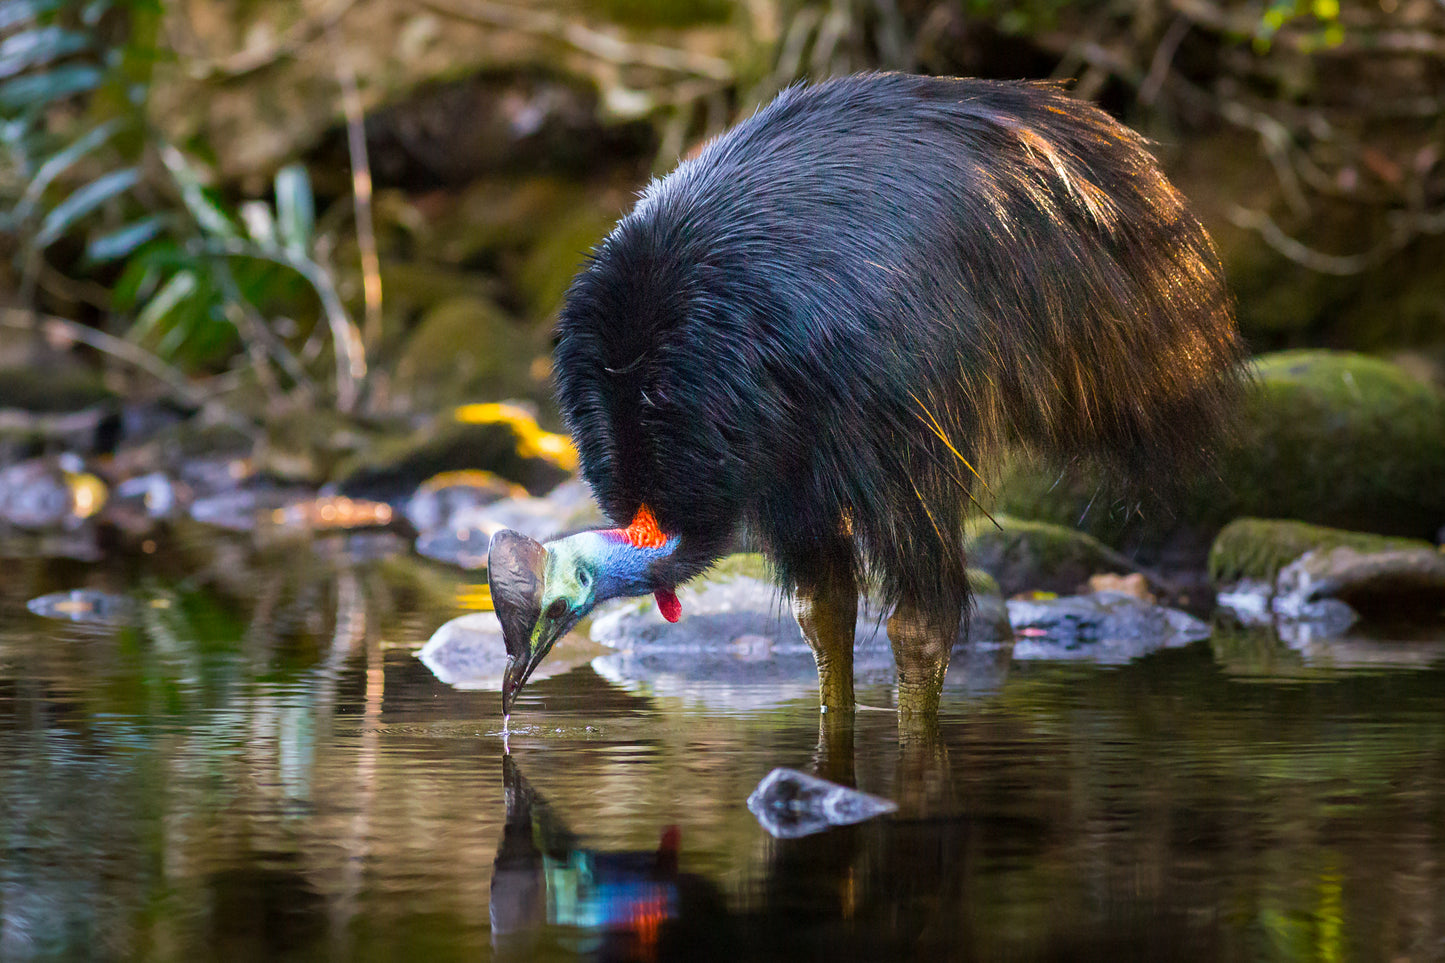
(817, 328)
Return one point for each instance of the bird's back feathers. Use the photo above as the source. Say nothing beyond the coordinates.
(820, 324)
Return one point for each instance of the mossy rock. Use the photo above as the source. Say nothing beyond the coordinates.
(52, 391)
(549, 268)
(305, 445)
(499, 215)
(1257, 548)
(498, 438)
(1023, 555)
(1331, 438)
(468, 347)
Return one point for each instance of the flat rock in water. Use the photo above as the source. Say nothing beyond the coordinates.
(1102, 627)
(468, 653)
(738, 644)
(789, 804)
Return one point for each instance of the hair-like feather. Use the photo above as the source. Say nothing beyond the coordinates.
(818, 326)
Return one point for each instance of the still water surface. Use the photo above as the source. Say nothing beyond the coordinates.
(255, 766)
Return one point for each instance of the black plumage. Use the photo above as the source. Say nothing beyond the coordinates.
(820, 324)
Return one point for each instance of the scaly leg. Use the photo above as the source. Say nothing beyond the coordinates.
(922, 642)
(828, 614)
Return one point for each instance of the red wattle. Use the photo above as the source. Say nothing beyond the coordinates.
(668, 604)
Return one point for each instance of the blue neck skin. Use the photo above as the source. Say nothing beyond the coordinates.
(620, 569)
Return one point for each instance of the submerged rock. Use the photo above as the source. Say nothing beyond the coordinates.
(1106, 627)
(789, 804)
(738, 643)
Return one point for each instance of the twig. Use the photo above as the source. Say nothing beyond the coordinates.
(1336, 264)
(1163, 58)
(249, 61)
(346, 340)
(603, 46)
(63, 328)
(255, 326)
(360, 193)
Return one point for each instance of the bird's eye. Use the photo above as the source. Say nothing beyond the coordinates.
(557, 609)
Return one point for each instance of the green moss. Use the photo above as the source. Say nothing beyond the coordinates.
(1331, 438)
(982, 583)
(465, 348)
(741, 565)
(1258, 547)
(552, 264)
(1024, 555)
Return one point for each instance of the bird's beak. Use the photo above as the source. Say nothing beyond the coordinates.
(517, 575)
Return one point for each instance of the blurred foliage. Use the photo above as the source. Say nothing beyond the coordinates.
(92, 190)
(111, 213)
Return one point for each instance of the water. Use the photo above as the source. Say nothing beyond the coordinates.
(256, 766)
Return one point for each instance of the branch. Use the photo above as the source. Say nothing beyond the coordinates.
(604, 46)
(289, 45)
(63, 328)
(350, 354)
(360, 192)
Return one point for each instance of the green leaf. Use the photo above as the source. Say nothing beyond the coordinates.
(180, 287)
(122, 242)
(57, 164)
(36, 90)
(42, 45)
(207, 212)
(295, 208)
(82, 202)
(14, 12)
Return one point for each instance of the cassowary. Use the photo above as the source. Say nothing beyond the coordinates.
(813, 331)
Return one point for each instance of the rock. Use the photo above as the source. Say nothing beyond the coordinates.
(1391, 583)
(738, 644)
(84, 605)
(467, 347)
(789, 804)
(499, 438)
(1038, 556)
(1106, 627)
(1257, 548)
(468, 653)
(1336, 577)
(49, 493)
(1135, 585)
(461, 538)
(1325, 437)
(435, 504)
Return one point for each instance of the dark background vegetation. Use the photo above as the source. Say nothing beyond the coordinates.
(374, 206)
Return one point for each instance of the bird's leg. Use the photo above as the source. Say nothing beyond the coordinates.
(827, 612)
(922, 641)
